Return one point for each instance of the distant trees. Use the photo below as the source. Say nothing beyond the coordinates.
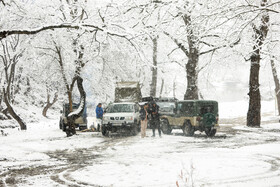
(198, 31)
(194, 26)
(9, 56)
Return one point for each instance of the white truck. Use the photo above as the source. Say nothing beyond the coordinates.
(123, 114)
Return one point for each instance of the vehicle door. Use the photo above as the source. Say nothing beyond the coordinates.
(185, 112)
(176, 117)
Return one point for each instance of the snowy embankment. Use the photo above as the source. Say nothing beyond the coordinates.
(236, 156)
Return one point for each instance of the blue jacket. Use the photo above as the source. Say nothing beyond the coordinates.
(99, 112)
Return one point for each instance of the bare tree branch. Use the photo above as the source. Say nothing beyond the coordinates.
(219, 47)
(173, 50)
(179, 44)
(5, 33)
(2, 1)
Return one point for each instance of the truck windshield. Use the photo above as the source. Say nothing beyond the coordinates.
(119, 108)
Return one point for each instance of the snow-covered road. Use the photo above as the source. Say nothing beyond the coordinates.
(236, 156)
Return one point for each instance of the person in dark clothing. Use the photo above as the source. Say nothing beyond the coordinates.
(99, 115)
(155, 123)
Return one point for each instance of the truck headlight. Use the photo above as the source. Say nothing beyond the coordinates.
(106, 118)
(130, 118)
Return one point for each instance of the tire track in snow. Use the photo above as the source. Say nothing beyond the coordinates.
(80, 158)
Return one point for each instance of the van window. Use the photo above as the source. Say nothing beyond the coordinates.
(185, 108)
(206, 109)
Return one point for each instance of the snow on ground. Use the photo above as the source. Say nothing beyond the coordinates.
(236, 156)
(159, 162)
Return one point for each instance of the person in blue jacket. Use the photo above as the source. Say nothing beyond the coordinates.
(99, 114)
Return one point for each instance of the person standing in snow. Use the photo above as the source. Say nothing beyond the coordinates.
(99, 115)
(144, 119)
(155, 123)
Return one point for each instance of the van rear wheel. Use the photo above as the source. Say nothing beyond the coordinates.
(188, 129)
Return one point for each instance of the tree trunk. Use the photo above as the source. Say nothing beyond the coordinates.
(161, 88)
(153, 90)
(5, 112)
(70, 129)
(191, 69)
(12, 112)
(1, 98)
(191, 66)
(69, 92)
(277, 84)
(174, 89)
(68, 88)
(19, 81)
(49, 104)
(254, 111)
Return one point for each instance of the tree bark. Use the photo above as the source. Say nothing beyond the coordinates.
(161, 88)
(5, 112)
(49, 104)
(174, 89)
(70, 129)
(12, 112)
(6, 33)
(277, 84)
(191, 67)
(68, 88)
(153, 90)
(2, 1)
(254, 111)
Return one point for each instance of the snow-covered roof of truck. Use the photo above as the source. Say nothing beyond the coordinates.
(127, 84)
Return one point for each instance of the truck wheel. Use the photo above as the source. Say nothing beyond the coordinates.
(210, 132)
(188, 129)
(165, 127)
(134, 130)
(104, 131)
